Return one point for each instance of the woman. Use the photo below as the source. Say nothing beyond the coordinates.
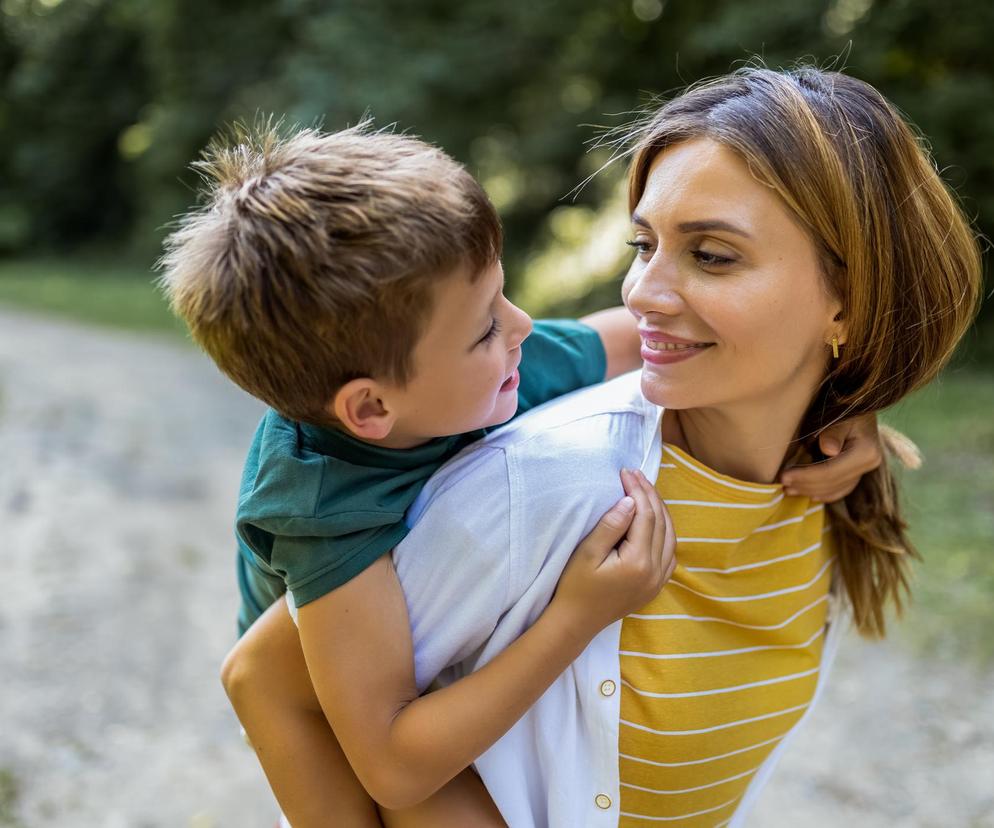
(798, 260)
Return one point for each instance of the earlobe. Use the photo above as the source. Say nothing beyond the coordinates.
(840, 329)
(359, 406)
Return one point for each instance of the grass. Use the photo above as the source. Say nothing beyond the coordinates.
(111, 295)
(10, 794)
(949, 502)
(950, 505)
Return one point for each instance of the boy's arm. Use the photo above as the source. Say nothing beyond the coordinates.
(619, 336)
(357, 644)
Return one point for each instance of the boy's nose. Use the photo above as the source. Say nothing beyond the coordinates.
(521, 325)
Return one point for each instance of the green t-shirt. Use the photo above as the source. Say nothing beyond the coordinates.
(317, 506)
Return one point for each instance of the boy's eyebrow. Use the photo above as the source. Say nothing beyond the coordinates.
(698, 226)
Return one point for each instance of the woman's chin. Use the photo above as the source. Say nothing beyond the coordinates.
(663, 391)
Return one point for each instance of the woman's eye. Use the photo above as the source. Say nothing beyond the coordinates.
(705, 259)
(640, 245)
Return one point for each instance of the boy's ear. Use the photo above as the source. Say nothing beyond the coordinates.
(360, 407)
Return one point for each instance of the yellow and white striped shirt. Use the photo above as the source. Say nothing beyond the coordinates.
(724, 661)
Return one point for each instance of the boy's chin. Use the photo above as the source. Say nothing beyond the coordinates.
(504, 410)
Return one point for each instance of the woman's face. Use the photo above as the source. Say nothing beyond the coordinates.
(727, 287)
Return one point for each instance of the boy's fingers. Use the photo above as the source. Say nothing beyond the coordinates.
(842, 472)
(670, 566)
(659, 525)
(829, 445)
(611, 528)
(640, 532)
(831, 497)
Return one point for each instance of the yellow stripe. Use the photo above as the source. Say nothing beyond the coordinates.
(725, 660)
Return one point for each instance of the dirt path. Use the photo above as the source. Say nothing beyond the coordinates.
(121, 457)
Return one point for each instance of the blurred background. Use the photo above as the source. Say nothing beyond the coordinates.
(122, 446)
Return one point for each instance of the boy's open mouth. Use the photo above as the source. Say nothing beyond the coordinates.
(511, 382)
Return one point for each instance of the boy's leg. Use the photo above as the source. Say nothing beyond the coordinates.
(266, 679)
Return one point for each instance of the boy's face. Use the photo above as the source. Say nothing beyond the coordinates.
(465, 364)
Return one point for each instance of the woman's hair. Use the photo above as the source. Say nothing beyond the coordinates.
(895, 247)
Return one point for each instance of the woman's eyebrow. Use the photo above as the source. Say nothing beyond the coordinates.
(697, 226)
(713, 224)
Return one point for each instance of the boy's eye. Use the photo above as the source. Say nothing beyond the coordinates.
(494, 330)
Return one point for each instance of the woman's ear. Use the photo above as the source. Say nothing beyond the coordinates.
(359, 406)
(840, 328)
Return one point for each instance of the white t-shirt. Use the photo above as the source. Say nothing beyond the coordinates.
(490, 535)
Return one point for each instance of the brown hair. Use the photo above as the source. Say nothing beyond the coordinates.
(895, 247)
(314, 258)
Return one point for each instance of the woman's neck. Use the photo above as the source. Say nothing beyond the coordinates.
(748, 444)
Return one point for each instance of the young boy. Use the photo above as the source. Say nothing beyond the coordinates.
(352, 282)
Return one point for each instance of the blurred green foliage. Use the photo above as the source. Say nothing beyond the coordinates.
(105, 102)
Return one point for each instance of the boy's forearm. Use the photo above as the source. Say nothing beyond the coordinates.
(619, 334)
(445, 731)
(405, 757)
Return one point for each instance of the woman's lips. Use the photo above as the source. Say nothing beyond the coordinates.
(511, 382)
(662, 349)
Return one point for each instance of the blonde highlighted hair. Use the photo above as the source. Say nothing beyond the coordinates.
(314, 259)
(895, 248)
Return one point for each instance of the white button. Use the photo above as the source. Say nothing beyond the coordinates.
(602, 801)
(608, 687)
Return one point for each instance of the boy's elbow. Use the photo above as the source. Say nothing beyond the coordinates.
(397, 788)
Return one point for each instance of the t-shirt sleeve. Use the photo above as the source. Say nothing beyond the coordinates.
(560, 356)
(317, 555)
(310, 523)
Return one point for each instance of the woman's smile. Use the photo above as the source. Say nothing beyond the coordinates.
(665, 353)
(663, 349)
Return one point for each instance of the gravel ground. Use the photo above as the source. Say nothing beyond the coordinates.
(121, 457)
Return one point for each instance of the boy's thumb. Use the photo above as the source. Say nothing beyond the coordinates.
(615, 522)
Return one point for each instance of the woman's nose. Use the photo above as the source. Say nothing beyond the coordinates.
(654, 288)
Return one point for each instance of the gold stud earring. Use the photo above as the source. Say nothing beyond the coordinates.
(835, 347)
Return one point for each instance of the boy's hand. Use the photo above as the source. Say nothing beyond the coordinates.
(606, 580)
(852, 447)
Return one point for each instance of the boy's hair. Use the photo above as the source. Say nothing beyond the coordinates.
(313, 260)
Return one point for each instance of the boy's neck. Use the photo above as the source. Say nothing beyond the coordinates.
(395, 441)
